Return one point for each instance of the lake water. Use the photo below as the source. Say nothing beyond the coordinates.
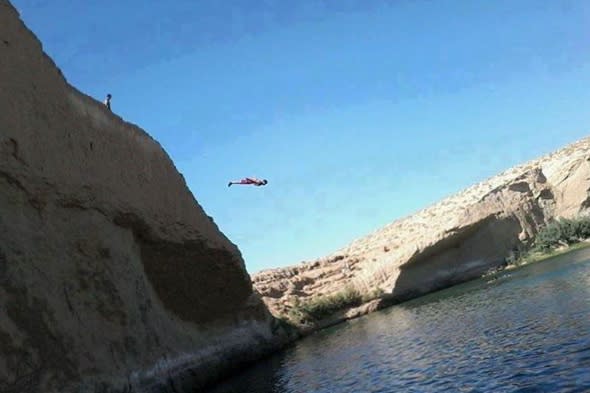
(526, 331)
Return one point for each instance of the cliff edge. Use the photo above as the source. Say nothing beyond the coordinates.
(112, 277)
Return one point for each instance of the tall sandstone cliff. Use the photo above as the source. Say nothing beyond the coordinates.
(112, 277)
(450, 242)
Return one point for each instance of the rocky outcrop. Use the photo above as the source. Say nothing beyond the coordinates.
(455, 240)
(112, 277)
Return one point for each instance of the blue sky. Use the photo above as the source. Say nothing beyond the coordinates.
(357, 112)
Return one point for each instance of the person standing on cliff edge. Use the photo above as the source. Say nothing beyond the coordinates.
(107, 101)
(249, 181)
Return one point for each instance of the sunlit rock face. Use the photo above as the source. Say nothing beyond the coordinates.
(112, 277)
(455, 240)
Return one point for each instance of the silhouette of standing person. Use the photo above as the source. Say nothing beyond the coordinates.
(107, 101)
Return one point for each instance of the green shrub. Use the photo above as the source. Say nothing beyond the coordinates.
(562, 232)
(374, 294)
(548, 237)
(584, 226)
(323, 306)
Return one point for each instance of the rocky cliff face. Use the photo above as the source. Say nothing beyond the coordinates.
(452, 241)
(112, 277)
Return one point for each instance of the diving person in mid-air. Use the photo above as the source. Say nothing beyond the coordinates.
(249, 181)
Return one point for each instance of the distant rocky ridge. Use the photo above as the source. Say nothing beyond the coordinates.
(112, 277)
(452, 241)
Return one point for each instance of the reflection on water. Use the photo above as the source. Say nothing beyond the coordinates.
(527, 331)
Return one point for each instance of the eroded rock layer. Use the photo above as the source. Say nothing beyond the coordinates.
(450, 242)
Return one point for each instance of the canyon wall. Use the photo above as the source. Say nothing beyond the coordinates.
(112, 277)
(452, 241)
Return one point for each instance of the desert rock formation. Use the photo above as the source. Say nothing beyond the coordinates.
(452, 241)
(112, 277)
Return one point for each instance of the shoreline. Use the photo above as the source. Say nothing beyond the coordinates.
(385, 301)
(298, 333)
(536, 257)
(542, 256)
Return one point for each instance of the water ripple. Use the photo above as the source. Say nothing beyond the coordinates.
(528, 332)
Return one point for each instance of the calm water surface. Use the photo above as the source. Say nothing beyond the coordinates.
(527, 331)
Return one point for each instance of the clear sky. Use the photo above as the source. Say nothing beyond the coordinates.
(358, 112)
